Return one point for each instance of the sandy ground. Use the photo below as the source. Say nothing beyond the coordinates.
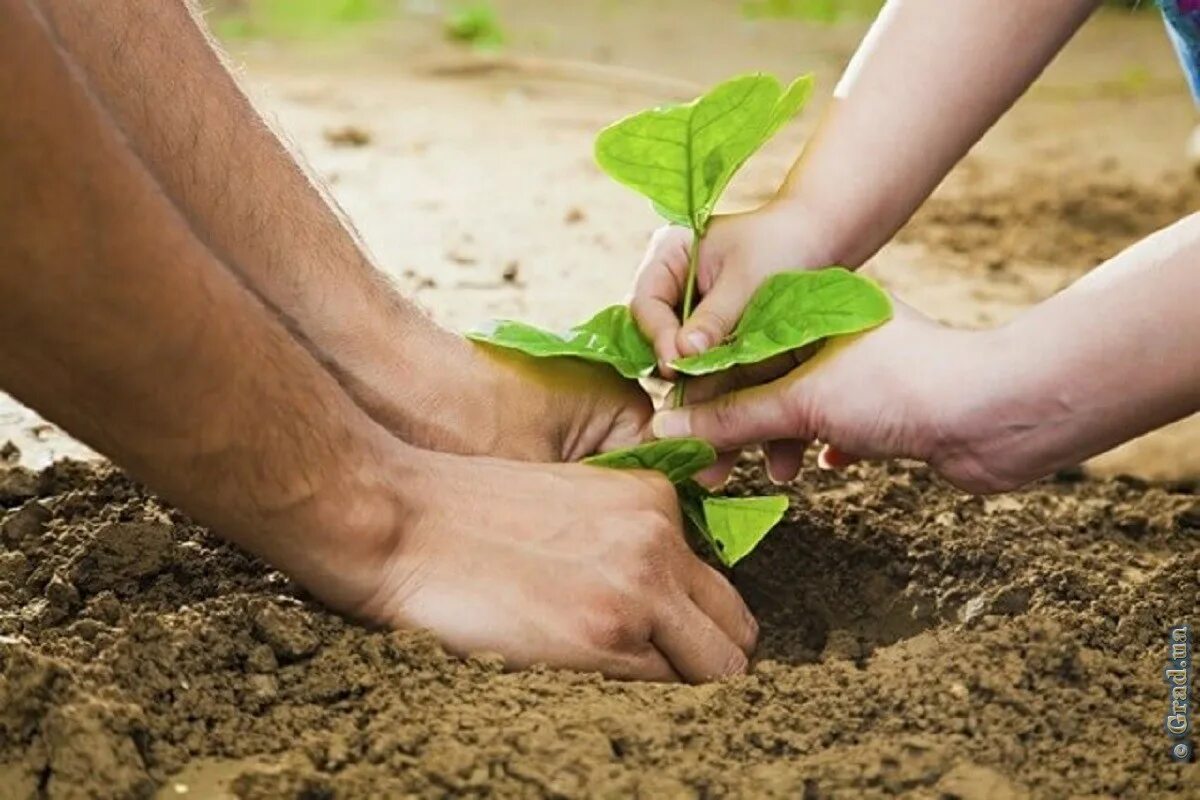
(469, 173)
(915, 641)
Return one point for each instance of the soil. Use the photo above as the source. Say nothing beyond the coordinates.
(914, 641)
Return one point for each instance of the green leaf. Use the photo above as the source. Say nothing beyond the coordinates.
(732, 526)
(678, 459)
(826, 11)
(611, 337)
(476, 24)
(691, 502)
(737, 524)
(794, 309)
(683, 156)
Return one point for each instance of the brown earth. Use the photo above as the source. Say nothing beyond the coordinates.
(914, 641)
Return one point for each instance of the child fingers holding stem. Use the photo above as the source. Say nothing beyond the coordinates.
(1107, 359)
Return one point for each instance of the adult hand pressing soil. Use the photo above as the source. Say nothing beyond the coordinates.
(571, 565)
(1106, 360)
(127, 322)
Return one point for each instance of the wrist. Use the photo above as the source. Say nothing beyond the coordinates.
(428, 386)
(344, 541)
(1006, 418)
(809, 234)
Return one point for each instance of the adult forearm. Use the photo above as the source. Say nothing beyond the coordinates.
(928, 81)
(122, 327)
(254, 204)
(1108, 359)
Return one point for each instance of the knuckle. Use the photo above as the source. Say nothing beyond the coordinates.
(610, 625)
(652, 529)
(726, 414)
(658, 489)
(639, 307)
(715, 323)
(666, 237)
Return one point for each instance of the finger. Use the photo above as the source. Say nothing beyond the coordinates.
(658, 291)
(717, 475)
(714, 318)
(696, 647)
(784, 458)
(830, 457)
(650, 665)
(734, 420)
(660, 324)
(716, 597)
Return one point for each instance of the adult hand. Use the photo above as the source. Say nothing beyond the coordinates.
(573, 566)
(456, 396)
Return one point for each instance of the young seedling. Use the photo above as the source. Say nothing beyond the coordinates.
(682, 157)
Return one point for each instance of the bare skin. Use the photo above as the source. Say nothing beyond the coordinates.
(272, 223)
(990, 410)
(127, 327)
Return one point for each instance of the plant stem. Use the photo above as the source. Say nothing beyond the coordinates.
(689, 292)
(689, 298)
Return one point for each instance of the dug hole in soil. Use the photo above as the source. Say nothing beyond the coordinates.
(913, 641)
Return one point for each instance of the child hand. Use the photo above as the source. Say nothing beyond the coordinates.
(903, 390)
(737, 254)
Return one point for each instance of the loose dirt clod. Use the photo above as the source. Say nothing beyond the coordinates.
(348, 136)
(913, 640)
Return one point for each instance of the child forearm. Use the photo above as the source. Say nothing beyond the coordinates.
(1110, 358)
(927, 82)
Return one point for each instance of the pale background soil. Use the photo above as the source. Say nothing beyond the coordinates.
(468, 174)
(915, 641)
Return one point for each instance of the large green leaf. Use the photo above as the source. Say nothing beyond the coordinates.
(794, 309)
(678, 459)
(738, 524)
(683, 156)
(611, 337)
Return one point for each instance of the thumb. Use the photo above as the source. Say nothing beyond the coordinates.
(715, 317)
(734, 420)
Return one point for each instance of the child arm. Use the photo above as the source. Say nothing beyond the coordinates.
(927, 82)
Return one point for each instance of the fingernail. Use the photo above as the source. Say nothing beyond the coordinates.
(697, 340)
(671, 424)
(823, 459)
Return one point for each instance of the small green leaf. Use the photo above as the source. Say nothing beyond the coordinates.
(737, 524)
(794, 309)
(683, 156)
(611, 337)
(691, 502)
(476, 24)
(678, 459)
(826, 11)
(732, 526)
